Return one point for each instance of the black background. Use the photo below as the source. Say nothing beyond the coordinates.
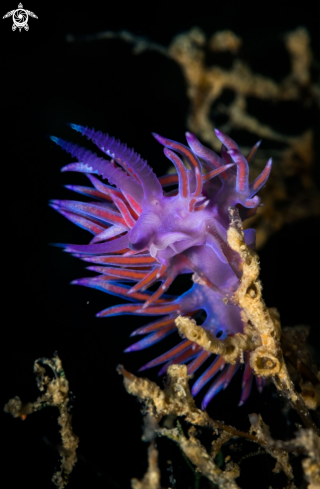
(47, 82)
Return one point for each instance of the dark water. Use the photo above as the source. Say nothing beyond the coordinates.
(47, 82)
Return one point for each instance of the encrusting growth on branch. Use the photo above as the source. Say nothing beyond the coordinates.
(56, 394)
(230, 348)
(282, 456)
(262, 326)
(176, 400)
(266, 359)
(305, 441)
(262, 330)
(200, 458)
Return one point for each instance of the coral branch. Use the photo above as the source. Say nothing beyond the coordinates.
(267, 359)
(151, 479)
(305, 441)
(230, 348)
(198, 455)
(176, 400)
(206, 85)
(262, 331)
(56, 394)
(280, 455)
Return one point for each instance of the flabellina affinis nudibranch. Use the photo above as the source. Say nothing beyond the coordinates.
(143, 234)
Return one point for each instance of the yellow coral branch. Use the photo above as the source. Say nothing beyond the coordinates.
(151, 479)
(230, 348)
(262, 329)
(56, 394)
(266, 360)
(176, 400)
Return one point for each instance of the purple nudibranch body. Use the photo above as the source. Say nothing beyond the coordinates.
(143, 234)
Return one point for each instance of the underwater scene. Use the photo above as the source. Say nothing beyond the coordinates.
(163, 200)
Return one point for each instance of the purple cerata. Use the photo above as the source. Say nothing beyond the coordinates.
(144, 234)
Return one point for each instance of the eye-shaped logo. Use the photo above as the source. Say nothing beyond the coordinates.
(20, 17)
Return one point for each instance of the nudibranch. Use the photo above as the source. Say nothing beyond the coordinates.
(143, 234)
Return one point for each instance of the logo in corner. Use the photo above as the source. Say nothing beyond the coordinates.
(20, 17)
